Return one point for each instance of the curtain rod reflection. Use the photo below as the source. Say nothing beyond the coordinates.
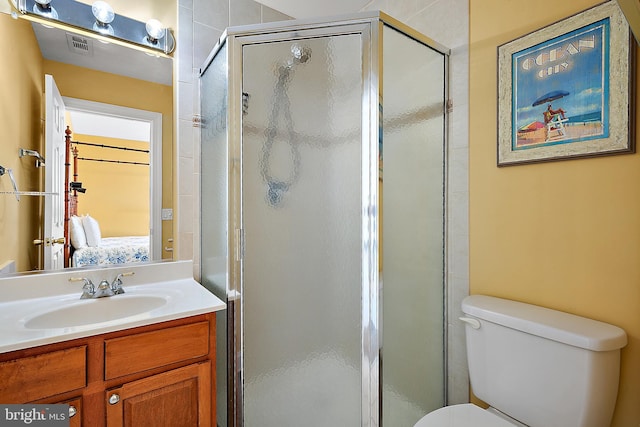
(115, 147)
(112, 161)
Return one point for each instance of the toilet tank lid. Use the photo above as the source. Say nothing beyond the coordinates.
(546, 323)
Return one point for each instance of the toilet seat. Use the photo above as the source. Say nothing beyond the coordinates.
(463, 415)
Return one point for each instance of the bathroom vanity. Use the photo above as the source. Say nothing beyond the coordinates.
(155, 367)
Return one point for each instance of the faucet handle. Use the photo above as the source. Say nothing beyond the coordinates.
(116, 285)
(88, 289)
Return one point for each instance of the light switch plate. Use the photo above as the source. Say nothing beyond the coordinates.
(167, 214)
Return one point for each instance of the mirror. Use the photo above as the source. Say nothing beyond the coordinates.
(105, 73)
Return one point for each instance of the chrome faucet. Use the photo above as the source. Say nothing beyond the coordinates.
(116, 285)
(88, 289)
(104, 289)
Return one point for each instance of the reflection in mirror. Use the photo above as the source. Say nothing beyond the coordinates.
(99, 20)
(105, 74)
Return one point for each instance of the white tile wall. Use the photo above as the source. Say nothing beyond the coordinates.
(201, 22)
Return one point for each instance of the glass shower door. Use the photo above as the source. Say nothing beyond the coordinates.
(412, 234)
(302, 232)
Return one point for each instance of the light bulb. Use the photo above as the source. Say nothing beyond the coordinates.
(102, 12)
(155, 30)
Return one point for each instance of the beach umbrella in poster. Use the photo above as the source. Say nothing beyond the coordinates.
(550, 96)
(533, 126)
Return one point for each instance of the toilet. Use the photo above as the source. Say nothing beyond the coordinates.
(535, 367)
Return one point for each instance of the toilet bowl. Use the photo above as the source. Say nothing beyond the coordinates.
(464, 415)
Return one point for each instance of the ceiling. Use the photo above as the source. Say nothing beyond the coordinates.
(313, 8)
(84, 123)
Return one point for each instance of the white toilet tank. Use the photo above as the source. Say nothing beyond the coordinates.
(542, 367)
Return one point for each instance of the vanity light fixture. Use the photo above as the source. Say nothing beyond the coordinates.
(98, 20)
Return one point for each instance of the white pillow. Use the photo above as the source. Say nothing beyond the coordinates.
(92, 230)
(76, 232)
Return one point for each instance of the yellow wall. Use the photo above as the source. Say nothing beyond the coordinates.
(83, 83)
(117, 194)
(562, 234)
(21, 86)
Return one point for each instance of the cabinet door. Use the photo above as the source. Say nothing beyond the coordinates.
(177, 398)
(75, 412)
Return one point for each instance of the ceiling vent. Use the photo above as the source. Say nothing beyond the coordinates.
(79, 44)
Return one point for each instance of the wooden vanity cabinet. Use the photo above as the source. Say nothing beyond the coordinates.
(156, 375)
(184, 394)
(26, 379)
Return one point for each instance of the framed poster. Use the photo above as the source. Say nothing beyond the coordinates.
(564, 91)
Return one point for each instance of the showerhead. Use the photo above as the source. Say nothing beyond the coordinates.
(301, 54)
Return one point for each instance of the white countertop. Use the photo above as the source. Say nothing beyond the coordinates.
(25, 296)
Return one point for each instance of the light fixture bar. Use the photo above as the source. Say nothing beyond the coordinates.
(78, 17)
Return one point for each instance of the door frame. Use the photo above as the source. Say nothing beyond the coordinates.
(155, 163)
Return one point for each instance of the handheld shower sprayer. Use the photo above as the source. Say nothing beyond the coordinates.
(282, 106)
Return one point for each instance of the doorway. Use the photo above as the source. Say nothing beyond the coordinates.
(109, 121)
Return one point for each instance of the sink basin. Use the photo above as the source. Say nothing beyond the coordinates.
(91, 311)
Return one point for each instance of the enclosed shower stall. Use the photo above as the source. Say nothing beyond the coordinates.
(323, 221)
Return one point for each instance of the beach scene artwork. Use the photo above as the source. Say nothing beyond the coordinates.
(560, 89)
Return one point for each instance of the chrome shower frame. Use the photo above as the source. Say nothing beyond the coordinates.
(369, 25)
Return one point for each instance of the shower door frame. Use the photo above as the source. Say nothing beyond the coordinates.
(369, 128)
(369, 26)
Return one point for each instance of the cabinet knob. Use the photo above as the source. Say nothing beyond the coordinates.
(113, 399)
(72, 411)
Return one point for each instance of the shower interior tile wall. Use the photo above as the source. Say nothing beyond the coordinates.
(201, 22)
